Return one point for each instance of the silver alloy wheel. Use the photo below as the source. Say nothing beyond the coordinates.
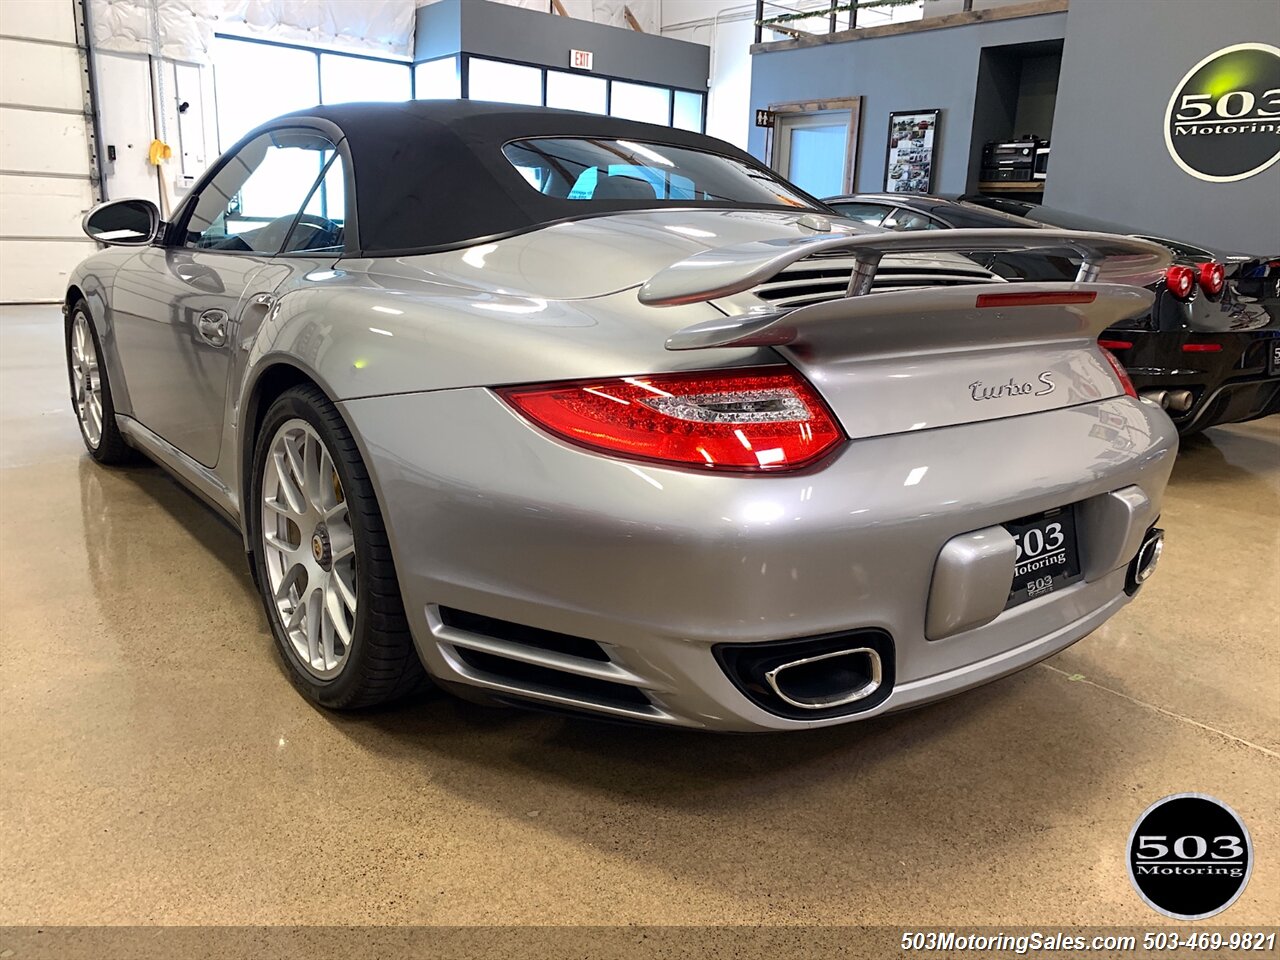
(309, 549)
(86, 381)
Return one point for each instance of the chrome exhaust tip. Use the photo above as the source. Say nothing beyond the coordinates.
(1144, 564)
(827, 680)
(1144, 561)
(1160, 397)
(1179, 401)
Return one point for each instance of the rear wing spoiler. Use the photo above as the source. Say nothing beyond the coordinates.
(724, 271)
(973, 316)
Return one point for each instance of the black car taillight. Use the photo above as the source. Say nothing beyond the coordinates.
(1181, 281)
(1213, 277)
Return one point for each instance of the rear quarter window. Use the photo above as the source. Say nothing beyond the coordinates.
(585, 170)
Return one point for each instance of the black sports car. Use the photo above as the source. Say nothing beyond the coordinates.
(1209, 350)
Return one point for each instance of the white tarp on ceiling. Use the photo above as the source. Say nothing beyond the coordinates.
(184, 29)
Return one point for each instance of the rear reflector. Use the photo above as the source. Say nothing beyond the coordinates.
(1034, 299)
(1115, 344)
(1120, 372)
(751, 419)
(1202, 348)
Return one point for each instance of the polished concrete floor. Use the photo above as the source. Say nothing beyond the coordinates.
(157, 767)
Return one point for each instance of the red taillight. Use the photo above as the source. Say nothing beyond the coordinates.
(1115, 344)
(752, 419)
(1181, 281)
(1121, 372)
(1202, 348)
(1213, 277)
(1034, 299)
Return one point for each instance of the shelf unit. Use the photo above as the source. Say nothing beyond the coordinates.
(1011, 186)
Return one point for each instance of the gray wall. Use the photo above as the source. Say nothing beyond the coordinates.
(529, 36)
(1120, 66)
(913, 71)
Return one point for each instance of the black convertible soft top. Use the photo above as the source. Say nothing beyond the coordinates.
(430, 174)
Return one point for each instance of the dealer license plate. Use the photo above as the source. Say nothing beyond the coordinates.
(1048, 558)
(1274, 367)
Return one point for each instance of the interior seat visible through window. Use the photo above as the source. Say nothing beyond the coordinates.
(620, 186)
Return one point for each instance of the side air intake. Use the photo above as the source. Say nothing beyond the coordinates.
(557, 669)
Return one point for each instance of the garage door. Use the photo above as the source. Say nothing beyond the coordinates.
(46, 180)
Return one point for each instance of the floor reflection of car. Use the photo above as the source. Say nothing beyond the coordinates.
(1209, 349)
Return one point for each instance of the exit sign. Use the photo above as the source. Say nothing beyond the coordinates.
(581, 59)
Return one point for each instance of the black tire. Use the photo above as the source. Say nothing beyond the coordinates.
(111, 448)
(382, 664)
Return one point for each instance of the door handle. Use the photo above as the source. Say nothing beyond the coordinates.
(212, 327)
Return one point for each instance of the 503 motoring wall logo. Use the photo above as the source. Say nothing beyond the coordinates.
(1189, 856)
(1223, 120)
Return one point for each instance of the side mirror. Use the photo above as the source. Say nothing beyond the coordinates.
(129, 223)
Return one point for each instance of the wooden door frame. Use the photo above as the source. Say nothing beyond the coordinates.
(852, 104)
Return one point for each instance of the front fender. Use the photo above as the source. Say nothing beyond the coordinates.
(94, 278)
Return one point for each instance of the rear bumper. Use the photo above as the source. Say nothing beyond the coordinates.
(1233, 402)
(488, 515)
(1239, 381)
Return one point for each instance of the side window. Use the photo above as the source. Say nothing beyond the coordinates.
(321, 225)
(865, 212)
(250, 204)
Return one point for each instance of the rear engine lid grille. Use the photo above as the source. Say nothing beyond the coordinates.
(818, 279)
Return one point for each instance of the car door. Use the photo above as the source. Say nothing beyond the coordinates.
(179, 308)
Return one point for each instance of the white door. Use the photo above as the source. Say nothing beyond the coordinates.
(813, 149)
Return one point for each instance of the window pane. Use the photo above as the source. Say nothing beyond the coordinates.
(632, 101)
(575, 91)
(437, 80)
(817, 158)
(688, 111)
(320, 226)
(650, 173)
(250, 204)
(350, 79)
(244, 100)
(866, 212)
(504, 82)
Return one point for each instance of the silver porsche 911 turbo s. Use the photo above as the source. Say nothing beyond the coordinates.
(568, 411)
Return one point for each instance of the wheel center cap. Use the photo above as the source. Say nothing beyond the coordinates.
(320, 548)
